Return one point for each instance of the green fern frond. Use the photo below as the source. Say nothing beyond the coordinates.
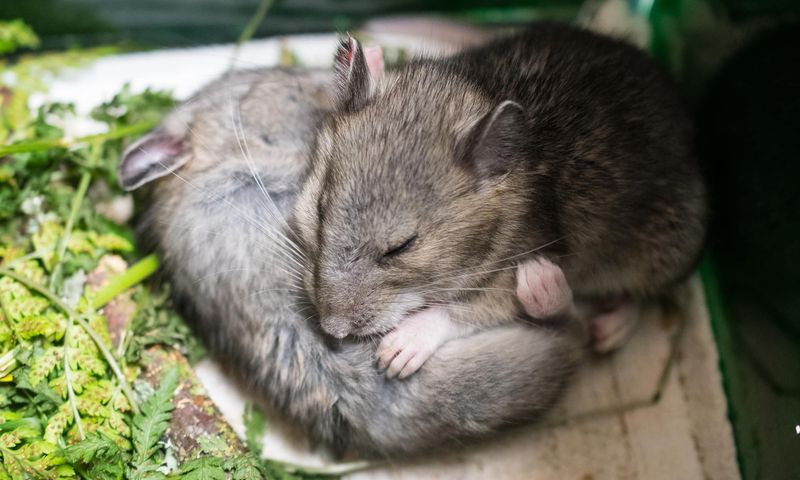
(95, 446)
(43, 365)
(245, 467)
(50, 325)
(203, 468)
(152, 421)
(58, 423)
(99, 454)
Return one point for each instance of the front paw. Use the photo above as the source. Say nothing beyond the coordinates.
(542, 289)
(406, 348)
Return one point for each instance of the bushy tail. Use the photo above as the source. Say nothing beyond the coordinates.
(472, 387)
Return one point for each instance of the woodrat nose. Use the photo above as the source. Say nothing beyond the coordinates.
(334, 326)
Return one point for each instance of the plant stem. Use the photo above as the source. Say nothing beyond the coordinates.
(111, 362)
(72, 315)
(30, 256)
(7, 316)
(132, 276)
(8, 362)
(75, 206)
(42, 145)
(250, 29)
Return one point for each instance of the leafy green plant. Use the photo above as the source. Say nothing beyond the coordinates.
(16, 34)
(66, 405)
(149, 425)
(71, 400)
(155, 323)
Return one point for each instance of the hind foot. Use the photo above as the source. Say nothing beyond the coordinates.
(542, 289)
(612, 328)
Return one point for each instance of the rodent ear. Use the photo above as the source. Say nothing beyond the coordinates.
(357, 73)
(493, 145)
(151, 157)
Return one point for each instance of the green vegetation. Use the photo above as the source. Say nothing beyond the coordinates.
(16, 34)
(75, 321)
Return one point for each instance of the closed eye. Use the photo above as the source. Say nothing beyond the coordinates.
(403, 247)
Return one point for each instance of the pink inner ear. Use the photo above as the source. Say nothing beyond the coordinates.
(374, 57)
(151, 157)
(344, 54)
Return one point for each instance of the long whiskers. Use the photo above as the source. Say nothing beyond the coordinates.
(277, 246)
(272, 208)
(506, 259)
(241, 214)
(454, 277)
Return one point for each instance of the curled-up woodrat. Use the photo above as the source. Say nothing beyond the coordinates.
(554, 152)
(222, 173)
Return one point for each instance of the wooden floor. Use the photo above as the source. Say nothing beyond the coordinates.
(607, 427)
(683, 435)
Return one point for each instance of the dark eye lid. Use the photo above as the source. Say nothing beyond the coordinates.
(403, 247)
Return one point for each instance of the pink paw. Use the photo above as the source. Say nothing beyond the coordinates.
(406, 348)
(542, 288)
(611, 329)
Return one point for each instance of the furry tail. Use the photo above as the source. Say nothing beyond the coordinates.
(472, 387)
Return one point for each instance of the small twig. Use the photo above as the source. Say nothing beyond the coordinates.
(123, 340)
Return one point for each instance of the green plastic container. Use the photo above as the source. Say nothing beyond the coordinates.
(739, 62)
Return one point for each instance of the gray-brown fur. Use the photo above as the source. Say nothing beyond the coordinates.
(555, 138)
(238, 289)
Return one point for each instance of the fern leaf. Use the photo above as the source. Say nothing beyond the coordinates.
(89, 406)
(111, 242)
(245, 467)
(95, 446)
(10, 439)
(203, 468)
(20, 308)
(100, 454)
(89, 362)
(80, 379)
(50, 325)
(43, 365)
(153, 419)
(117, 423)
(58, 423)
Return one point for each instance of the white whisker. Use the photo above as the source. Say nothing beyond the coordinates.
(244, 148)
